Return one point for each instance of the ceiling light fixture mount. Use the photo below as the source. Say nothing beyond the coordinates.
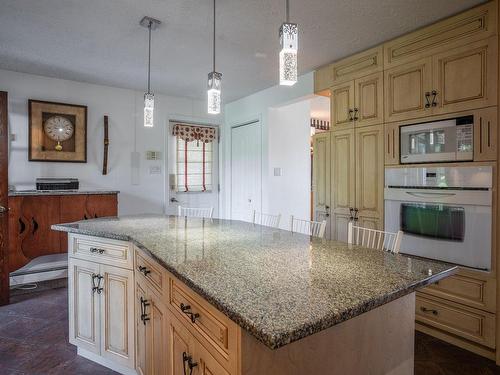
(289, 40)
(214, 83)
(149, 98)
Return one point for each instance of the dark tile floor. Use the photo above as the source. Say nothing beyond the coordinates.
(34, 341)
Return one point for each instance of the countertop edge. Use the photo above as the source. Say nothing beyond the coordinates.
(29, 193)
(271, 341)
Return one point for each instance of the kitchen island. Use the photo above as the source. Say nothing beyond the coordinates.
(228, 297)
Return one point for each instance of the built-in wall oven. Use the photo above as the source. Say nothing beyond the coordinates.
(444, 212)
(437, 141)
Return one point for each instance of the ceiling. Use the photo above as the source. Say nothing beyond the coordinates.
(100, 41)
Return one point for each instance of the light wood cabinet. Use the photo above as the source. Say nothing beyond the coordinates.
(486, 134)
(369, 158)
(343, 188)
(342, 104)
(391, 146)
(407, 90)
(84, 306)
(358, 102)
(466, 77)
(321, 177)
(101, 302)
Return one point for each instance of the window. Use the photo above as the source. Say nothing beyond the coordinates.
(194, 145)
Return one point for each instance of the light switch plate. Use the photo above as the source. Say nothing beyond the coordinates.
(278, 172)
(155, 169)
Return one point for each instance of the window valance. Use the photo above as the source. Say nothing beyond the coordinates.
(191, 133)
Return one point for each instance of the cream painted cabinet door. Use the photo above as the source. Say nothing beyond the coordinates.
(342, 182)
(370, 176)
(391, 143)
(141, 359)
(408, 91)
(84, 329)
(466, 77)
(117, 315)
(369, 100)
(342, 104)
(181, 349)
(321, 177)
(485, 134)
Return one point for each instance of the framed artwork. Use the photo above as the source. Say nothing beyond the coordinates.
(57, 132)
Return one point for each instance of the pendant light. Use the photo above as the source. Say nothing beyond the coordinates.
(214, 84)
(149, 98)
(289, 35)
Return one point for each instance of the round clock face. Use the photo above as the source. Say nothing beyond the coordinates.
(59, 128)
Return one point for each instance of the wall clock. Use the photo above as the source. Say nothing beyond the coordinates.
(59, 129)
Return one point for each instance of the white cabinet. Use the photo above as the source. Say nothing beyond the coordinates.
(101, 309)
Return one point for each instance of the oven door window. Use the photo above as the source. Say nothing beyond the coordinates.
(433, 220)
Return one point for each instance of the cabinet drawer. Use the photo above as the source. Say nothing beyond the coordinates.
(208, 324)
(104, 251)
(148, 270)
(467, 290)
(472, 324)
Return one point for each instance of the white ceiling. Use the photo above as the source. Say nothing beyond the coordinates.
(100, 41)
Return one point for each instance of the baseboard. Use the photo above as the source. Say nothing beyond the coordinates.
(457, 341)
(105, 362)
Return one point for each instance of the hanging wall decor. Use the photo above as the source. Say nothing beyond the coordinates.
(106, 146)
(57, 132)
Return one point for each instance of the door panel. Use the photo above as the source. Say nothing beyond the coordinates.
(180, 343)
(117, 306)
(370, 175)
(405, 90)
(84, 329)
(4, 201)
(157, 336)
(208, 365)
(466, 77)
(391, 144)
(246, 174)
(141, 359)
(102, 205)
(342, 104)
(321, 178)
(369, 108)
(485, 134)
(342, 181)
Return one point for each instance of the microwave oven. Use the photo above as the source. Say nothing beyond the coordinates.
(438, 141)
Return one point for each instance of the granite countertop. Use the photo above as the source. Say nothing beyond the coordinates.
(279, 286)
(20, 193)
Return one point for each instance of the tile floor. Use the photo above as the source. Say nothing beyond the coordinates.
(34, 341)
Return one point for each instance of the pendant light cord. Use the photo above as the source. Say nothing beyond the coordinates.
(214, 40)
(149, 57)
(287, 11)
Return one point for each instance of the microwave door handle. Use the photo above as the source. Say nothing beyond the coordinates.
(430, 195)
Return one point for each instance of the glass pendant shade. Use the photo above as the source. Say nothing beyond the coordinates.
(149, 106)
(214, 89)
(289, 35)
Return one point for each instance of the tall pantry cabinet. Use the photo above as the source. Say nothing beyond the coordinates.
(442, 71)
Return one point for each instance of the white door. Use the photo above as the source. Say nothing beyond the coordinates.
(246, 170)
(176, 197)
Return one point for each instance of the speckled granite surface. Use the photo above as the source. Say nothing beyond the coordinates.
(20, 193)
(279, 286)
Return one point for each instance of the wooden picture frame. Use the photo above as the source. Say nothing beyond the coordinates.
(42, 148)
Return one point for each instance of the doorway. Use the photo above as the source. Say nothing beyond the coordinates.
(246, 170)
(4, 201)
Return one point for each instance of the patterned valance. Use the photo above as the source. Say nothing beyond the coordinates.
(191, 133)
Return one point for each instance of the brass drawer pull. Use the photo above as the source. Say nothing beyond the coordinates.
(426, 310)
(186, 310)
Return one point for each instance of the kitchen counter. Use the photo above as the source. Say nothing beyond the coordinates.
(278, 286)
(22, 193)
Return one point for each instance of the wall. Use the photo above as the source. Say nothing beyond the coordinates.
(256, 107)
(146, 194)
(289, 133)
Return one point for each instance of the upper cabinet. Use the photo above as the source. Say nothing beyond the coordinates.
(359, 65)
(342, 104)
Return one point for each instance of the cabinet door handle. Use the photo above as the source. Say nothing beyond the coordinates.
(186, 310)
(144, 270)
(187, 359)
(426, 310)
(434, 96)
(144, 315)
(489, 134)
(35, 225)
(427, 100)
(96, 250)
(350, 112)
(96, 288)
(356, 118)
